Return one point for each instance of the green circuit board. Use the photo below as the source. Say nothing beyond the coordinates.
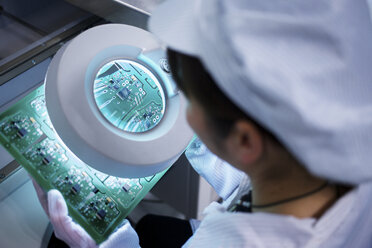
(129, 96)
(96, 201)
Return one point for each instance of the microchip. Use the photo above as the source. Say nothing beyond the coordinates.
(22, 132)
(126, 187)
(101, 214)
(76, 189)
(95, 190)
(148, 124)
(47, 159)
(123, 94)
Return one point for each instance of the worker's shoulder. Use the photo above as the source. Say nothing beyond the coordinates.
(220, 228)
(240, 229)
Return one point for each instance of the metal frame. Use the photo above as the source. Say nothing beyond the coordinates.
(8, 170)
(45, 48)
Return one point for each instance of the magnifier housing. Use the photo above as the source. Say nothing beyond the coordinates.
(113, 102)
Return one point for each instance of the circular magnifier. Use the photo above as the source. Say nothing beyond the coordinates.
(129, 96)
(136, 125)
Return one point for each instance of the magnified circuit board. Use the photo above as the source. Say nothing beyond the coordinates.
(129, 96)
(98, 202)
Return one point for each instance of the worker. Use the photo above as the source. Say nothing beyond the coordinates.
(279, 93)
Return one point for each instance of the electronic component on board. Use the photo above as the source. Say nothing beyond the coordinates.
(75, 189)
(47, 159)
(126, 187)
(21, 132)
(101, 214)
(123, 94)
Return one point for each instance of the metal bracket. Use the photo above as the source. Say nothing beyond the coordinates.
(8, 170)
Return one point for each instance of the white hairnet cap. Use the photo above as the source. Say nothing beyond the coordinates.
(303, 69)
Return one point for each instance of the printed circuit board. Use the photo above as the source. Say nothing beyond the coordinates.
(96, 201)
(129, 96)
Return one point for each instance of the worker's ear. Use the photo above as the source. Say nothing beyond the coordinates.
(245, 143)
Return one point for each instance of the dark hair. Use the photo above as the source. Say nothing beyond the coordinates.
(195, 81)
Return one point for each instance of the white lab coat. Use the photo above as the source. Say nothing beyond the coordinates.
(348, 223)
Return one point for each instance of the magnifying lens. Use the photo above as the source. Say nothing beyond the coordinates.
(112, 101)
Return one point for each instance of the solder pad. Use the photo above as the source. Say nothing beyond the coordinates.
(129, 96)
(96, 201)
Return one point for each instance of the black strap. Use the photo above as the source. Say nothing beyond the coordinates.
(321, 187)
(244, 204)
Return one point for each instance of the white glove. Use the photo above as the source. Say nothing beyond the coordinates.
(73, 234)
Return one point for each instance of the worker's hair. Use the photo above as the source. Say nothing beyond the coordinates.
(195, 81)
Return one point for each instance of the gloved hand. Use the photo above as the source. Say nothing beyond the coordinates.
(73, 234)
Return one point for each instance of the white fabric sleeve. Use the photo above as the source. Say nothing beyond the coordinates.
(223, 177)
(125, 236)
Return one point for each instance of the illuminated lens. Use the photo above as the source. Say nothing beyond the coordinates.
(129, 96)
